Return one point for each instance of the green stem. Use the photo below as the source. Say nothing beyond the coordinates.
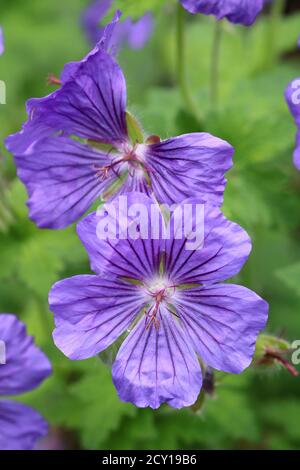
(181, 65)
(215, 66)
(277, 10)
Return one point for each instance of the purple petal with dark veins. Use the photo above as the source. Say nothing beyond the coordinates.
(91, 313)
(223, 247)
(60, 175)
(133, 258)
(91, 102)
(191, 165)
(223, 322)
(156, 366)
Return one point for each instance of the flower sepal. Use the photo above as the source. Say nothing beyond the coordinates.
(272, 351)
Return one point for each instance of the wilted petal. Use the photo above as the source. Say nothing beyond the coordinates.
(91, 313)
(236, 11)
(61, 178)
(20, 426)
(223, 322)
(26, 365)
(189, 165)
(156, 366)
(223, 247)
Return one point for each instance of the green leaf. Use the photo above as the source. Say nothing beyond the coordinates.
(100, 411)
(290, 276)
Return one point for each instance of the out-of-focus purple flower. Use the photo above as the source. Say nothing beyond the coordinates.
(169, 300)
(65, 176)
(236, 11)
(134, 34)
(24, 369)
(292, 96)
(1, 42)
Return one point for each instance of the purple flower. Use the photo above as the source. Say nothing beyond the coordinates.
(236, 11)
(135, 34)
(64, 176)
(292, 96)
(1, 42)
(169, 302)
(24, 369)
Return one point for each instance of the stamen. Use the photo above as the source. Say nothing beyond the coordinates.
(129, 157)
(53, 80)
(160, 296)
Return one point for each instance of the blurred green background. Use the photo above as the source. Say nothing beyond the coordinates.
(260, 408)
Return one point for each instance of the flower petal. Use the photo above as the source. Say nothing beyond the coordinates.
(156, 366)
(236, 11)
(91, 104)
(32, 130)
(61, 178)
(221, 247)
(191, 165)
(292, 96)
(91, 313)
(140, 32)
(20, 426)
(1, 42)
(26, 365)
(92, 17)
(133, 258)
(223, 322)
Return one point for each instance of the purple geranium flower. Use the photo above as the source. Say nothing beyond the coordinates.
(168, 300)
(24, 369)
(292, 95)
(236, 11)
(135, 34)
(64, 176)
(1, 42)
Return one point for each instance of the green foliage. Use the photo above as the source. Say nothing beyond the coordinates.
(253, 410)
(290, 276)
(136, 9)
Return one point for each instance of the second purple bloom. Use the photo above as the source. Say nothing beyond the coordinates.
(65, 175)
